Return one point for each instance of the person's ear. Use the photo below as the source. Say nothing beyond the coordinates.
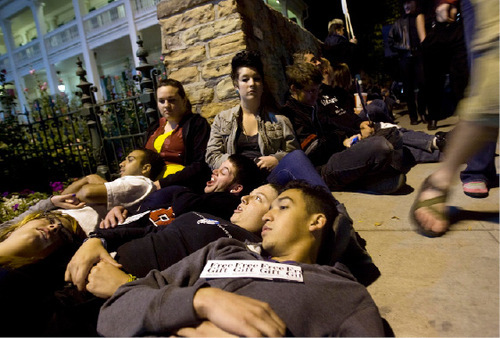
(293, 91)
(146, 169)
(317, 222)
(236, 189)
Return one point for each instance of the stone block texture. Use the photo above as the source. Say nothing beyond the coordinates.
(200, 37)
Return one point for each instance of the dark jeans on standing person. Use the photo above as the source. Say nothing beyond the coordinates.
(412, 73)
(446, 69)
(481, 167)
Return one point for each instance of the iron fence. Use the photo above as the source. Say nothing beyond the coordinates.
(56, 144)
(60, 146)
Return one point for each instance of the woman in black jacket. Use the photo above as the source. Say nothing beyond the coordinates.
(180, 137)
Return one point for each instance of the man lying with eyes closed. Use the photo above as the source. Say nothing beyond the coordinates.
(227, 287)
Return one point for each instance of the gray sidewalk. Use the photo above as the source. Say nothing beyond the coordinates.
(447, 286)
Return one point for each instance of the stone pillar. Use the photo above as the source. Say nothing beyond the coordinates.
(88, 55)
(200, 37)
(132, 29)
(18, 81)
(37, 10)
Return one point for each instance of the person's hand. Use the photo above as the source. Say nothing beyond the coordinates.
(348, 141)
(157, 185)
(95, 179)
(267, 162)
(104, 279)
(446, 13)
(205, 329)
(354, 40)
(67, 201)
(236, 314)
(366, 128)
(115, 216)
(89, 253)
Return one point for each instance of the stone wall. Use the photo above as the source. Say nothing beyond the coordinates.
(200, 37)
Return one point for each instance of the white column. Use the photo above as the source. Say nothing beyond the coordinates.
(88, 55)
(132, 29)
(37, 10)
(9, 44)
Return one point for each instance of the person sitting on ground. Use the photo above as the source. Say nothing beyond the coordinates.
(236, 176)
(369, 164)
(33, 254)
(180, 137)
(421, 147)
(88, 198)
(250, 128)
(295, 231)
(342, 83)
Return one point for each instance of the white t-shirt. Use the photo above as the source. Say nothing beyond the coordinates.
(128, 191)
(87, 217)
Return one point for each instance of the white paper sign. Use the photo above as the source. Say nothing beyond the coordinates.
(251, 269)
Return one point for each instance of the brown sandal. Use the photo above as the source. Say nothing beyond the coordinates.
(429, 204)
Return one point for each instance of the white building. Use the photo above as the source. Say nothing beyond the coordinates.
(48, 36)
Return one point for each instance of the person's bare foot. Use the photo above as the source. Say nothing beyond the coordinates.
(430, 212)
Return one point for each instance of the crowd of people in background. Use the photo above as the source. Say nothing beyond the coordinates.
(232, 228)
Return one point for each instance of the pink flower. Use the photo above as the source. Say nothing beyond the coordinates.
(162, 58)
(26, 90)
(32, 71)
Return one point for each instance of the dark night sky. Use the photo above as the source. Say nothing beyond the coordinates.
(320, 13)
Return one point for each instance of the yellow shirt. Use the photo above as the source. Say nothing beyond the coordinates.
(170, 168)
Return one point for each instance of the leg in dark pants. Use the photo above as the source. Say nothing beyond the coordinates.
(370, 157)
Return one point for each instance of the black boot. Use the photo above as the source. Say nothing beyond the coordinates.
(432, 125)
(441, 140)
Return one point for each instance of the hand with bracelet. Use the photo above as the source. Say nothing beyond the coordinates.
(89, 253)
(105, 278)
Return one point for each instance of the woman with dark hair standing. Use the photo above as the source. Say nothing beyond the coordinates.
(180, 137)
(251, 128)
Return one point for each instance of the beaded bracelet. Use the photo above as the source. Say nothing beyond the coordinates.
(131, 278)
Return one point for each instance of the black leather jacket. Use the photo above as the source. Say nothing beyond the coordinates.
(399, 36)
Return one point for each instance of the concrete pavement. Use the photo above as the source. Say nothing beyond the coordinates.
(447, 286)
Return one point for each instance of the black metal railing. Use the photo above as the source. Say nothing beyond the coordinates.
(60, 144)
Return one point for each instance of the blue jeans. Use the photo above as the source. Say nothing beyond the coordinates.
(367, 160)
(420, 146)
(481, 167)
(295, 166)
